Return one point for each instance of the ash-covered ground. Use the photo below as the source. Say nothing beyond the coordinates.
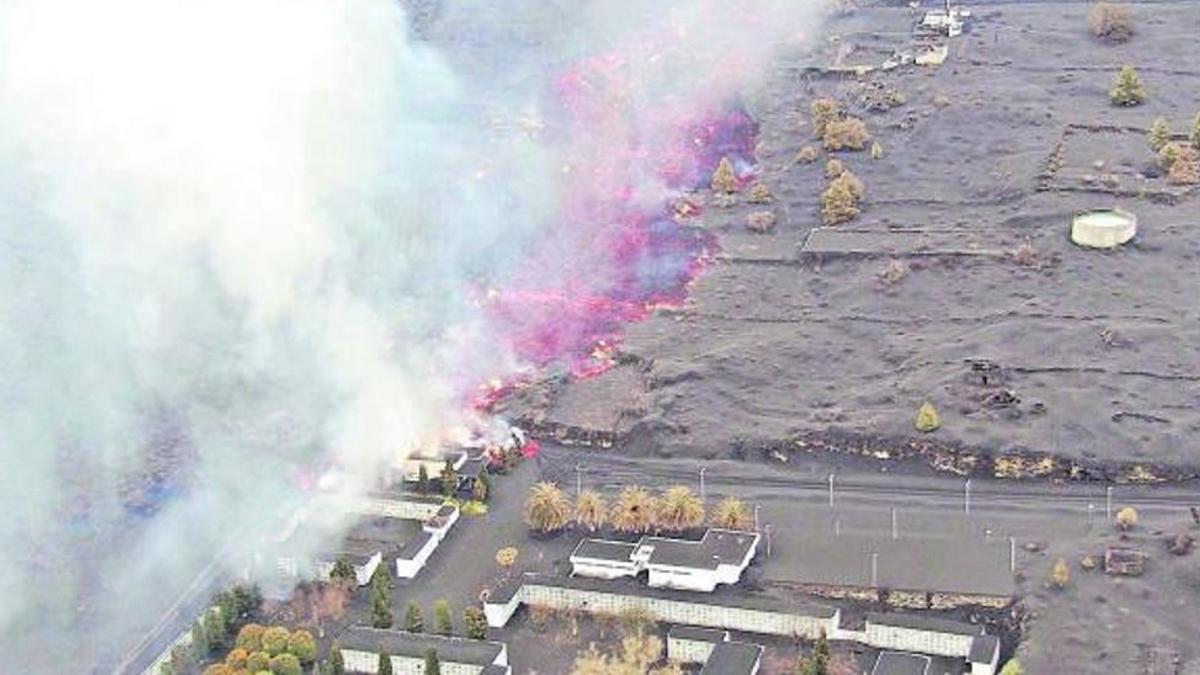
(1096, 351)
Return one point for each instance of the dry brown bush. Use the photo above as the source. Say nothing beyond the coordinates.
(824, 111)
(759, 194)
(1026, 255)
(941, 101)
(1110, 21)
(893, 272)
(760, 221)
(849, 133)
(876, 151)
(839, 201)
(807, 155)
(1185, 171)
(834, 168)
(1159, 134)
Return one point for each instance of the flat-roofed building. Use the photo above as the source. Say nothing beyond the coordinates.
(361, 647)
(719, 557)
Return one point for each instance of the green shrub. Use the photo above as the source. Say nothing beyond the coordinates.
(1128, 89)
(927, 418)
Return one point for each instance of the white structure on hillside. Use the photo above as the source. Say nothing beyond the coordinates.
(719, 557)
(1103, 228)
(361, 647)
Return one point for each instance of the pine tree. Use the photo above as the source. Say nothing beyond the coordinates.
(381, 601)
(480, 488)
(200, 644)
(385, 664)
(927, 418)
(423, 479)
(820, 656)
(1128, 89)
(443, 620)
(216, 629)
(475, 623)
(413, 622)
(337, 663)
(1159, 135)
(432, 665)
(449, 479)
(724, 179)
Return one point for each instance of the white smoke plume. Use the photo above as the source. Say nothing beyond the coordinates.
(240, 241)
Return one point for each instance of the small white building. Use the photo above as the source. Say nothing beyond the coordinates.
(719, 557)
(361, 647)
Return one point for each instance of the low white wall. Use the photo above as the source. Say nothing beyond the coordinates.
(688, 651)
(921, 641)
(408, 568)
(367, 662)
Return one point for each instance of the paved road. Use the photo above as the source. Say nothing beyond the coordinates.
(809, 479)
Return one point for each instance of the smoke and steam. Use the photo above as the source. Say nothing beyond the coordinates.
(241, 241)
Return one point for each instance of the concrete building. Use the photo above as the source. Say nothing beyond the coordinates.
(361, 647)
(725, 609)
(719, 557)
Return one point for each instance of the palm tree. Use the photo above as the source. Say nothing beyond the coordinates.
(680, 509)
(591, 510)
(635, 510)
(731, 514)
(547, 509)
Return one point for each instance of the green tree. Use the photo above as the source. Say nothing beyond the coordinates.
(165, 668)
(181, 658)
(432, 665)
(480, 488)
(275, 640)
(820, 655)
(1196, 131)
(1128, 89)
(422, 479)
(449, 479)
(385, 664)
(302, 645)
(216, 628)
(250, 637)
(413, 621)
(443, 620)
(381, 604)
(200, 643)
(724, 178)
(258, 661)
(286, 664)
(1159, 134)
(475, 623)
(343, 573)
(337, 663)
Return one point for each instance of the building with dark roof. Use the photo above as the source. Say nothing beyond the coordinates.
(733, 658)
(901, 663)
(691, 644)
(719, 557)
(361, 647)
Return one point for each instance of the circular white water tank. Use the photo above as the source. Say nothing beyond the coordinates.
(1103, 228)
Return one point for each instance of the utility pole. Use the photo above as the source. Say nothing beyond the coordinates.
(578, 480)
(967, 497)
(831, 490)
(702, 470)
(768, 540)
(895, 530)
(756, 517)
(1091, 513)
(1108, 502)
(1012, 555)
(837, 528)
(874, 570)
